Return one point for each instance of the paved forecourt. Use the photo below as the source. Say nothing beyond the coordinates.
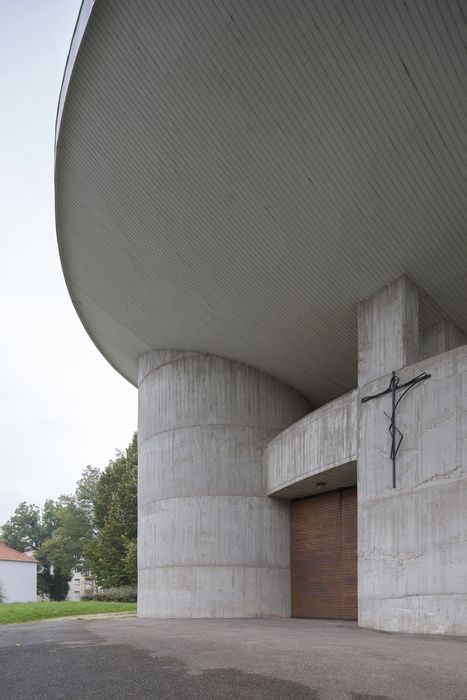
(274, 658)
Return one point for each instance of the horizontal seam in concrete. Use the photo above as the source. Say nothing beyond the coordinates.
(308, 475)
(208, 425)
(205, 495)
(415, 595)
(430, 485)
(213, 566)
(171, 362)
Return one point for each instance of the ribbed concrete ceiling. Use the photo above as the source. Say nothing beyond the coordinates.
(234, 177)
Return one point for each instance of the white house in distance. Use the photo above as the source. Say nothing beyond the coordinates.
(18, 576)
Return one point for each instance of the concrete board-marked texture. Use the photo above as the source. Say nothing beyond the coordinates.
(441, 337)
(412, 539)
(210, 541)
(323, 442)
(242, 186)
(387, 330)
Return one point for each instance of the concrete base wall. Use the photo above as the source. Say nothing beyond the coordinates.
(412, 540)
(210, 541)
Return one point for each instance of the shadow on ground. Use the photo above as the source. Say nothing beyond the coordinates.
(216, 659)
(93, 670)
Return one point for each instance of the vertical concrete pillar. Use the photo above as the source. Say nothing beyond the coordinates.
(387, 330)
(412, 541)
(210, 542)
(440, 338)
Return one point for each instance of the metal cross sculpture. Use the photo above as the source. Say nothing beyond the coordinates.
(396, 435)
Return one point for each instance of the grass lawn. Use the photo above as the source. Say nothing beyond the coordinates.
(28, 612)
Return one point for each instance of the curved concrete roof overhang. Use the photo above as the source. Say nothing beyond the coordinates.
(233, 177)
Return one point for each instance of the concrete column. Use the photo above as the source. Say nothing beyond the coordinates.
(210, 542)
(440, 338)
(387, 330)
(412, 539)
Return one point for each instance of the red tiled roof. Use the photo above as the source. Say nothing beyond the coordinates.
(9, 554)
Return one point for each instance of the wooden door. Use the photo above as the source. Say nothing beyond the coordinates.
(324, 555)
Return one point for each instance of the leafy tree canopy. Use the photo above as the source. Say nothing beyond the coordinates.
(24, 528)
(93, 530)
(113, 550)
(68, 542)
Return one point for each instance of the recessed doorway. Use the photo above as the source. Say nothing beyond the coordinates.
(324, 555)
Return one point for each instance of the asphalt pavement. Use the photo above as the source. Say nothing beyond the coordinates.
(260, 659)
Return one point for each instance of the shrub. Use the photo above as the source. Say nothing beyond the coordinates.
(123, 594)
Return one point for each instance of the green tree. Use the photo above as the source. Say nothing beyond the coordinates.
(113, 551)
(85, 493)
(74, 527)
(49, 519)
(92, 530)
(65, 548)
(24, 528)
(29, 527)
(51, 580)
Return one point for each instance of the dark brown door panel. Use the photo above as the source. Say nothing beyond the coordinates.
(324, 555)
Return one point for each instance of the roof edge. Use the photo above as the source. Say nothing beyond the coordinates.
(81, 25)
(84, 14)
(15, 555)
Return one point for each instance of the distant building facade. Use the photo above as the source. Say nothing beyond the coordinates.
(80, 585)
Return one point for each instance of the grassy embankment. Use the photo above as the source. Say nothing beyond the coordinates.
(12, 613)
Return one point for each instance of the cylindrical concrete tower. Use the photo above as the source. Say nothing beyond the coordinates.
(210, 542)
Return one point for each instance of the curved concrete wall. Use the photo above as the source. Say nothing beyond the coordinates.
(210, 541)
(323, 442)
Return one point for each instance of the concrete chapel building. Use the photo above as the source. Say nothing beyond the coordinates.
(262, 220)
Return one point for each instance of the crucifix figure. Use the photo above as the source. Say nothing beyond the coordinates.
(396, 435)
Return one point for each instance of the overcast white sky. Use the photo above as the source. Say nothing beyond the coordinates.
(61, 405)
